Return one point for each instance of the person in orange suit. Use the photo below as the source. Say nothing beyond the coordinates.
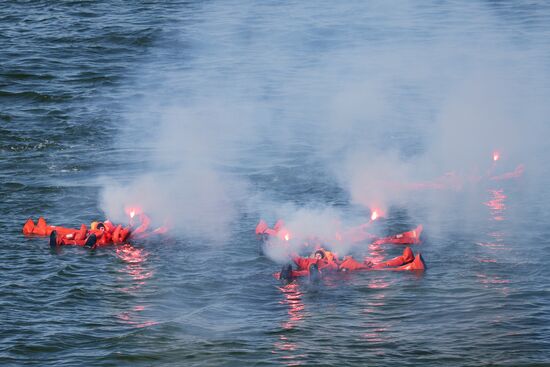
(326, 261)
(314, 266)
(99, 234)
(350, 264)
(320, 261)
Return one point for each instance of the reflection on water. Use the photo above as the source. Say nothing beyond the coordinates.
(492, 246)
(285, 344)
(136, 269)
(135, 265)
(496, 204)
(377, 331)
(133, 318)
(375, 303)
(496, 244)
(379, 283)
(485, 279)
(293, 299)
(377, 253)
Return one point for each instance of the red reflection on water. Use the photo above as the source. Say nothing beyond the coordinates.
(377, 303)
(377, 331)
(491, 245)
(498, 236)
(496, 204)
(496, 244)
(293, 299)
(378, 283)
(485, 279)
(130, 254)
(133, 318)
(377, 253)
(375, 336)
(135, 260)
(494, 282)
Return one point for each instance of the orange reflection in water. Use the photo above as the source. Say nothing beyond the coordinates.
(378, 283)
(494, 282)
(377, 332)
(133, 318)
(376, 303)
(377, 253)
(492, 245)
(485, 279)
(496, 204)
(496, 244)
(293, 299)
(135, 260)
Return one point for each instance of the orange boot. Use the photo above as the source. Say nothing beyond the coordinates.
(406, 258)
(350, 264)
(41, 227)
(28, 227)
(417, 264)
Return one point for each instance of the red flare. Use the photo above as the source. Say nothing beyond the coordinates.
(132, 211)
(374, 215)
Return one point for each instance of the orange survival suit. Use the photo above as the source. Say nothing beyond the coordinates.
(106, 232)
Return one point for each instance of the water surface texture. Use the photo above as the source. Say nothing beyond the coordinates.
(219, 113)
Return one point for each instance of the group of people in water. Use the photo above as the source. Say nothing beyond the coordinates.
(322, 261)
(97, 235)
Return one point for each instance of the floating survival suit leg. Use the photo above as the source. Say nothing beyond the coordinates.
(404, 259)
(417, 264)
(81, 234)
(41, 227)
(261, 227)
(28, 227)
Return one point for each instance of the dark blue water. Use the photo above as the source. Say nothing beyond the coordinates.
(275, 98)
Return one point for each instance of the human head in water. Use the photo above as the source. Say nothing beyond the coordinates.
(319, 254)
(97, 225)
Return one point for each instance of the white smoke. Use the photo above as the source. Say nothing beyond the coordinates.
(393, 105)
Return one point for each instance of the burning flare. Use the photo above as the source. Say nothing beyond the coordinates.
(496, 156)
(131, 211)
(376, 213)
